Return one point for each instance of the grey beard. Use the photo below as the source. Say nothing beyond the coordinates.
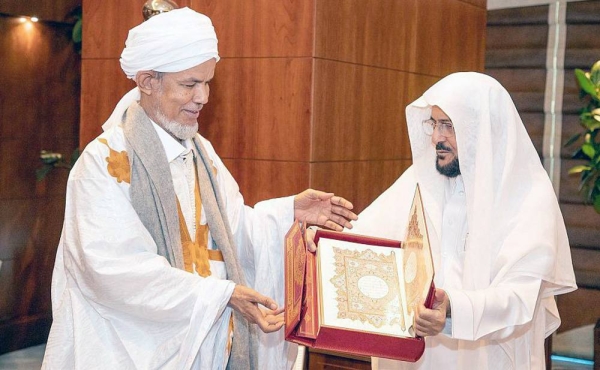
(182, 132)
(452, 169)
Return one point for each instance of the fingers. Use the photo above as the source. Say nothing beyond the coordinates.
(316, 194)
(267, 302)
(336, 222)
(271, 320)
(339, 201)
(343, 211)
(439, 298)
(324, 196)
(310, 240)
(246, 300)
(428, 322)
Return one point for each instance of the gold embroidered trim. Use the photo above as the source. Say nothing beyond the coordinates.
(118, 164)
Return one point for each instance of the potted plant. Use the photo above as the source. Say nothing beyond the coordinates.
(589, 151)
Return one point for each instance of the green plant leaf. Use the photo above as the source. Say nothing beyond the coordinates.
(597, 204)
(579, 169)
(593, 124)
(588, 149)
(585, 83)
(76, 34)
(595, 73)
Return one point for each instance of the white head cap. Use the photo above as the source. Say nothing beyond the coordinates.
(170, 42)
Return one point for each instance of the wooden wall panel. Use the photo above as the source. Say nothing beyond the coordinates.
(260, 108)
(103, 83)
(367, 32)
(478, 3)
(450, 37)
(19, 158)
(416, 85)
(586, 263)
(56, 10)
(407, 35)
(358, 181)
(328, 360)
(260, 180)
(459, 42)
(582, 225)
(586, 302)
(39, 109)
(106, 26)
(24, 52)
(358, 113)
(261, 28)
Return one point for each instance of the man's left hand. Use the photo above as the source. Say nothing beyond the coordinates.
(431, 322)
(323, 209)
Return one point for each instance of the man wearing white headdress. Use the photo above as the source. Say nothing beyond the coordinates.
(497, 236)
(158, 251)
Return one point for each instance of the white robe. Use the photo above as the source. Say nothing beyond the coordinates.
(117, 304)
(516, 257)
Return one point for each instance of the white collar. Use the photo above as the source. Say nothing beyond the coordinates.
(454, 185)
(173, 148)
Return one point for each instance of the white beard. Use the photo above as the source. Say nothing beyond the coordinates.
(182, 132)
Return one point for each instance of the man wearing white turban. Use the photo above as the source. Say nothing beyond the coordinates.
(497, 236)
(158, 252)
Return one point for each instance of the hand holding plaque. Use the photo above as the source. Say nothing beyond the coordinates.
(360, 294)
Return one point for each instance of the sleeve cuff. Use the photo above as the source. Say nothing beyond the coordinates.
(461, 322)
(281, 208)
(226, 286)
(448, 327)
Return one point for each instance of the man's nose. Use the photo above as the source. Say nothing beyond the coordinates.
(436, 137)
(201, 94)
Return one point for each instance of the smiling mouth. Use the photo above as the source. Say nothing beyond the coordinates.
(192, 112)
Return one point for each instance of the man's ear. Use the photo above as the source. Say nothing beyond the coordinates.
(145, 81)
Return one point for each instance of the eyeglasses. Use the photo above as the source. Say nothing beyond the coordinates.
(444, 126)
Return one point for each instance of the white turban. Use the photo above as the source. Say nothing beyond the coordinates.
(170, 42)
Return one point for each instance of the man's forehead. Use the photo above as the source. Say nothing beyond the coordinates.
(439, 113)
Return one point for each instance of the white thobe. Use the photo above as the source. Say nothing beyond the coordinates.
(118, 304)
(511, 345)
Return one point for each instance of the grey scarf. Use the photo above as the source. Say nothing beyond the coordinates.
(153, 198)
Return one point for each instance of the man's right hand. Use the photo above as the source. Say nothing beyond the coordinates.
(245, 301)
